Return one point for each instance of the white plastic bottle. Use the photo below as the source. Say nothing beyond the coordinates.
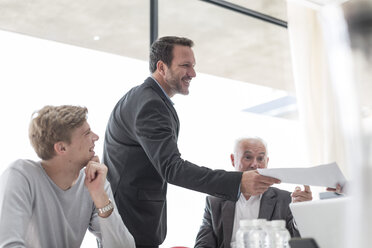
(242, 234)
(278, 235)
(269, 235)
(251, 234)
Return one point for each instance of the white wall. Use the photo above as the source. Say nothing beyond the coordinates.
(36, 72)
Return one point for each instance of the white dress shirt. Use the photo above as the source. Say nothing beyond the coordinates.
(245, 209)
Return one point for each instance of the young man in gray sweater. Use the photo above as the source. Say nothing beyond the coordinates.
(52, 202)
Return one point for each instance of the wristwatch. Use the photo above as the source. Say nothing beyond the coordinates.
(109, 207)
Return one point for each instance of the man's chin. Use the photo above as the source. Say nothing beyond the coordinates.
(184, 92)
(90, 157)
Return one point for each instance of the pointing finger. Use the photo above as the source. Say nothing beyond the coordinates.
(338, 189)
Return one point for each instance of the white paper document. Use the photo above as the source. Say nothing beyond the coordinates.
(327, 175)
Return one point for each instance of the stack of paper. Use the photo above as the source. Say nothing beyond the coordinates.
(327, 175)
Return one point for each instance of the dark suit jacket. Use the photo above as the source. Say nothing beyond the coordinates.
(140, 150)
(218, 221)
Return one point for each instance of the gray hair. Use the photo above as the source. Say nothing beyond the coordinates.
(255, 138)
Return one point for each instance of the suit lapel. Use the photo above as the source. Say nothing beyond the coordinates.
(267, 206)
(228, 210)
(159, 91)
(268, 201)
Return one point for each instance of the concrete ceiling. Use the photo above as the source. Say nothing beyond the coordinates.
(227, 43)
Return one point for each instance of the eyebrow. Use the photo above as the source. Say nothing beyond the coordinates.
(188, 63)
(249, 152)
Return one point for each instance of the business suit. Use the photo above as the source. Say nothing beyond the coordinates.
(218, 221)
(141, 152)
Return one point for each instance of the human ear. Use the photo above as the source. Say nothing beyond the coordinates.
(232, 160)
(161, 67)
(60, 147)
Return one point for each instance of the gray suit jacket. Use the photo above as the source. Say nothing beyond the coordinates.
(140, 150)
(218, 220)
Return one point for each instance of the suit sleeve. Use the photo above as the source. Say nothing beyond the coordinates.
(291, 224)
(155, 129)
(206, 237)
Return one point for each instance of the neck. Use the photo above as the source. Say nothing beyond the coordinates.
(63, 174)
(247, 196)
(163, 84)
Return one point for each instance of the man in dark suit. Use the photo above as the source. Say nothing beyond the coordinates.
(221, 217)
(141, 150)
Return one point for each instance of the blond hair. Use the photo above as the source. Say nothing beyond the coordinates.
(52, 124)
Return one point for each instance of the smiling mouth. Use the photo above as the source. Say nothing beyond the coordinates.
(187, 81)
(91, 149)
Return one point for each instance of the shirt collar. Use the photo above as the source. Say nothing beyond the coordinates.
(251, 199)
(162, 90)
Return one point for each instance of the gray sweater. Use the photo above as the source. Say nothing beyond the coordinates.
(35, 212)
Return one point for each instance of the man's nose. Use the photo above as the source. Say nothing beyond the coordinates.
(255, 164)
(192, 73)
